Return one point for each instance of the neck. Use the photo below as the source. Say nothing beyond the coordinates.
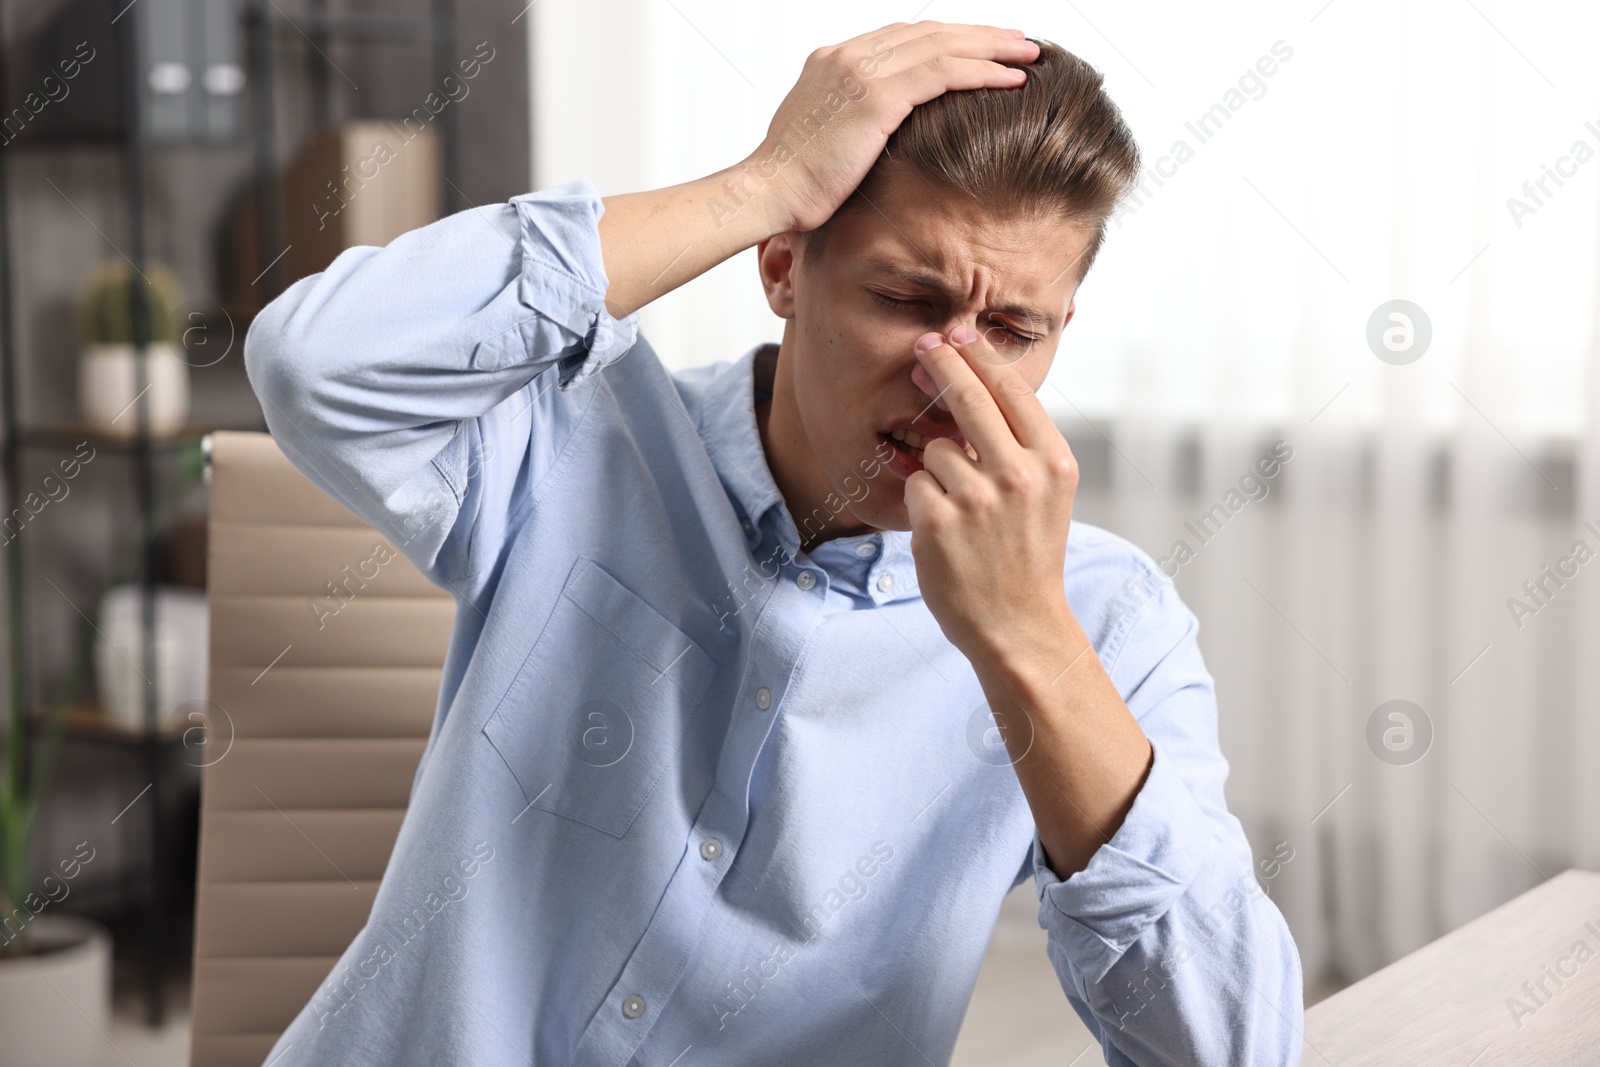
(794, 466)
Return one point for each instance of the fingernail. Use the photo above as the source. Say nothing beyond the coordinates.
(928, 341)
(963, 335)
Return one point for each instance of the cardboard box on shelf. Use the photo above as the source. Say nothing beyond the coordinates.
(360, 183)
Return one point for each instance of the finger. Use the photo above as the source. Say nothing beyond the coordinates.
(919, 378)
(922, 83)
(923, 497)
(960, 48)
(975, 410)
(949, 464)
(1030, 424)
(899, 33)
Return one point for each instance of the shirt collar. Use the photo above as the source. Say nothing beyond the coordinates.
(727, 423)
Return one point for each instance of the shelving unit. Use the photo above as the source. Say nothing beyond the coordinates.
(319, 26)
(265, 25)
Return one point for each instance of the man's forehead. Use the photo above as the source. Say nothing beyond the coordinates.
(924, 275)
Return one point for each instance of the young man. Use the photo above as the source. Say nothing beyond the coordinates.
(771, 678)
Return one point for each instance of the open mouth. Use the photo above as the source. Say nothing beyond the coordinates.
(911, 444)
(905, 447)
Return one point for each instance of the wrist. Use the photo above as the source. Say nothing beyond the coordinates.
(750, 199)
(652, 242)
(1032, 657)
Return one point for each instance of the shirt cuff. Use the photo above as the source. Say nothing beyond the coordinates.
(563, 275)
(1131, 881)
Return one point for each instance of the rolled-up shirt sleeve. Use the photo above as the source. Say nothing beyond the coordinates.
(1165, 943)
(402, 380)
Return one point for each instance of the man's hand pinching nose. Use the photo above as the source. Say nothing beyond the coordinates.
(989, 531)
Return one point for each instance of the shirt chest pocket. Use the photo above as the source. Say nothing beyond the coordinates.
(595, 713)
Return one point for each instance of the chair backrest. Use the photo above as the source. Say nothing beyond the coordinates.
(326, 653)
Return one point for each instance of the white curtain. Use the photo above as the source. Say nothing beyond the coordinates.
(1339, 155)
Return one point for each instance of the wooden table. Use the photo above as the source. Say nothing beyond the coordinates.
(1461, 1000)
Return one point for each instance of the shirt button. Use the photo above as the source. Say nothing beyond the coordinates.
(865, 549)
(806, 580)
(710, 848)
(763, 698)
(746, 524)
(885, 583)
(633, 1007)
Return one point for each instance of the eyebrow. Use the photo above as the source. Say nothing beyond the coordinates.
(927, 279)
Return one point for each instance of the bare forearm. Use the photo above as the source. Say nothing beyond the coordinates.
(652, 242)
(1076, 748)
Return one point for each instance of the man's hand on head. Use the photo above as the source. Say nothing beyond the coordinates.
(832, 126)
(826, 135)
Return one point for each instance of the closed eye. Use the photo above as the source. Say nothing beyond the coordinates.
(889, 301)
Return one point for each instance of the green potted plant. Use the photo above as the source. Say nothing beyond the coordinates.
(108, 379)
(55, 968)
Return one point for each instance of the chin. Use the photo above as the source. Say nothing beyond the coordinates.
(891, 517)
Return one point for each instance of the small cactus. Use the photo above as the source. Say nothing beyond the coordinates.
(105, 313)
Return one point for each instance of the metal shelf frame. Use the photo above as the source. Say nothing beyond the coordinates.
(263, 22)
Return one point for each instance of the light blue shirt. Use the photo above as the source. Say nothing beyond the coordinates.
(692, 796)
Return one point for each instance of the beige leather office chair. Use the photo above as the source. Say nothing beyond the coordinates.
(321, 705)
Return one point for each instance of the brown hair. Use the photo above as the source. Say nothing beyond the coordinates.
(1056, 144)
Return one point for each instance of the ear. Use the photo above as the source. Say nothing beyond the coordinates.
(776, 258)
(1072, 306)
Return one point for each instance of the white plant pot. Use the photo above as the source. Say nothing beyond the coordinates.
(181, 643)
(55, 1004)
(108, 383)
